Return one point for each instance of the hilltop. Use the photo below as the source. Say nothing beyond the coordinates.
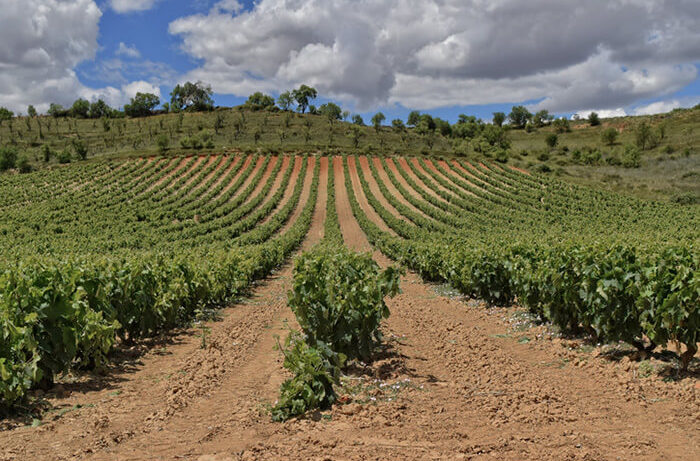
(666, 167)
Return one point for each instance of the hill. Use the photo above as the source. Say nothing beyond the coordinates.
(667, 168)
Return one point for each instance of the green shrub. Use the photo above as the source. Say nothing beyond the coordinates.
(163, 142)
(8, 158)
(632, 157)
(338, 296)
(64, 157)
(316, 370)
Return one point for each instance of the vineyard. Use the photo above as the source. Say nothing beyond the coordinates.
(103, 256)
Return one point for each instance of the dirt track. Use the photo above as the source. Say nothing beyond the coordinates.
(457, 381)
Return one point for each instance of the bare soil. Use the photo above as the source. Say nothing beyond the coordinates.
(456, 380)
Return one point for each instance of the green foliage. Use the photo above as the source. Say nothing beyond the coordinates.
(303, 96)
(64, 157)
(645, 138)
(316, 370)
(542, 118)
(163, 142)
(551, 140)
(31, 111)
(499, 118)
(609, 136)
(331, 111)
(23, 164)
(141, 105)
(519, 116)
(80, 149)
(285, 100)
(377, 120)
(259, 101)
(357, 120)
(561, 125)
(413, 118)
(80, 108)
(338, 298)
(5, 114)
(632, 157)
(593, 119)
(190, 96)
(8, 158)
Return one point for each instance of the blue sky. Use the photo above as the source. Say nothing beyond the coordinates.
(445, 58)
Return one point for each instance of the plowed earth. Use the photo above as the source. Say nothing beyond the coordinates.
(456, 380)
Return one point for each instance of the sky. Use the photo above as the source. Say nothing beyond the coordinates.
(445, 57)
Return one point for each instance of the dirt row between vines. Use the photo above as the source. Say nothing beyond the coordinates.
(456, 381)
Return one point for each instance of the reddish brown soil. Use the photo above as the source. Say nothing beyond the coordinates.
(390, 186)
(232, 180)
(447, 168)
(403, 164)
(172, 175)
(457, 380)
(288, 190)
(420, 168)
(220, 160)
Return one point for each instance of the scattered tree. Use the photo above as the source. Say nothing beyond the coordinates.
(31, 111)
(499, 118)
(357, 120)
(398, 125)
(80, 148)
(561, 125)
(609, 136)
(80, 108)
(413, 118)
(190, 96)
(5, 114)
(331, 111)
(519, 116)
(551, 140)
(57, 110)
(259, 101)
(593, 119)
(285, 100)
(100, 109)
(377, 120)
(542, 118)
(303, 96)
(141, 105)
(8, 158)
(644, 137)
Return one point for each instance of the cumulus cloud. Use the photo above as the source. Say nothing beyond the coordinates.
(602, 113)
(661, 107)
(43, 42)
(127, 51)
(429, 53)
(128, 6)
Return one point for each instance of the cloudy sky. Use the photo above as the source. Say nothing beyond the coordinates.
(443, 56)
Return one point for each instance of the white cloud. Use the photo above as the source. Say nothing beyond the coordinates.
(43, 42)
(127, 51)
(602, 113)
(661, 107)
(130, 90)
(128, 6)
(430, 53)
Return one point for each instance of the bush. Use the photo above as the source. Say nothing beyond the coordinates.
(80, 149)
(551, 140)
(163, 142)
(8, 158)
(316, 369)
(23, 164)
(632, 157)
(64, 157)
(609, 136)
(338, 298)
